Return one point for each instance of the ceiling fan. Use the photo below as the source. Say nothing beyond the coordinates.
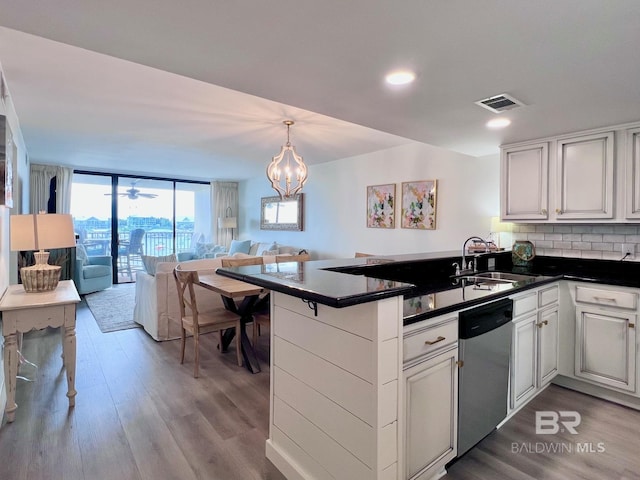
(133, 193)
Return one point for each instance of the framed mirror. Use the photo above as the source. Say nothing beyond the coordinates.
(282, 213)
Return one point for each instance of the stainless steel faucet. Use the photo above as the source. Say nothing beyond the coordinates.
(465, 268)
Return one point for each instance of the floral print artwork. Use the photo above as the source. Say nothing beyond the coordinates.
(381, 201)
(419, 205)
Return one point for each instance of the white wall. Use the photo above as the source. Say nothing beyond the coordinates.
(335, 202)
(8, 261)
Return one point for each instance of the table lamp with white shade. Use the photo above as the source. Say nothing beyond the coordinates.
(37, 232)
(228, 221)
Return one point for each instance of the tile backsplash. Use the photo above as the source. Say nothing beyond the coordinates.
(580, 241)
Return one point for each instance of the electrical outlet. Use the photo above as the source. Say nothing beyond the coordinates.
(629, 249)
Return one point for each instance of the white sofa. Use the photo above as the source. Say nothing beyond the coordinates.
(156, 307)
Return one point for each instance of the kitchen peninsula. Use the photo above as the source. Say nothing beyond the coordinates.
(364, 354)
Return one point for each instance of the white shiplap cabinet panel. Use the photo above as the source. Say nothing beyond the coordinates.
(346, 350)
(339, 462)
(334, 389)
(344, 388)
(349, 431)
(356, 319)
(281, 447)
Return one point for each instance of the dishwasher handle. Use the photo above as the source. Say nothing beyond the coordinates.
(483, 319)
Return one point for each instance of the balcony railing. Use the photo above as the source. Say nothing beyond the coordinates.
(155, 243)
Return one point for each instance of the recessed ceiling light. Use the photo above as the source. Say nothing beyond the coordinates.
(400, 77)
(499, 123)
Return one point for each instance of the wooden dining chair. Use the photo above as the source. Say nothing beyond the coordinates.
(241, 261)
(197, 323)
(302, 257)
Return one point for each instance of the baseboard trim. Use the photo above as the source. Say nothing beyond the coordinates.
(628, 400)
(283, 463)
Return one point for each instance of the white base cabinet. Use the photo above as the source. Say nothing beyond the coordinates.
(429, 397)
(534, 351)
(523, 360)
(605, 335)
(606, 347)
(547, 344)
(431, 413)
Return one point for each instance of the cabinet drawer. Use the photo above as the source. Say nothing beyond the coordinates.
(607, 298)
(524, 304)
(423, 341)
(548, 296)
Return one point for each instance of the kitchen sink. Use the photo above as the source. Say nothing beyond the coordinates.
(478, 280)
(507, 276)
(495, 278)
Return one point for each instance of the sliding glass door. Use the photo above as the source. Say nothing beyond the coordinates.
(91, 211)
(154, 217)
(145, 223)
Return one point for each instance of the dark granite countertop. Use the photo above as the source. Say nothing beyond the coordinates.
(424, 280)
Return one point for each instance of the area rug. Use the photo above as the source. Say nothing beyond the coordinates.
(113, 308)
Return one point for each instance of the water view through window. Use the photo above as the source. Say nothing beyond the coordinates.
(154, 217)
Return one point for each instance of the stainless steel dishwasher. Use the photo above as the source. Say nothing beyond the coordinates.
(483, 380)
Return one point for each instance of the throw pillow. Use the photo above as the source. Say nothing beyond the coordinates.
(238, 246)
(270, 253)
(150, 262)
(260, 248)
(81, 255)
(204, 249)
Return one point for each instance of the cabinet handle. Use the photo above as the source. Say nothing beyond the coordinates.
(543, 211)
(632, 325)
(439, 339)
(543, 323)
(605, 299)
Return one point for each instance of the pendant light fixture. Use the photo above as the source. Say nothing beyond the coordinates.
(276, 174)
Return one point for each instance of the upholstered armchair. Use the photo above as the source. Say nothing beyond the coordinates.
(92, 273)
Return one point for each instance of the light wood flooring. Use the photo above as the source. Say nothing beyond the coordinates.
(141, 415)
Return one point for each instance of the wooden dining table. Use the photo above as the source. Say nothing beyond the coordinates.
(239, 297)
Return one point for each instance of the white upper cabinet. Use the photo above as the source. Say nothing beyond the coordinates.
(632, 183)
(524, 182)
(585, 177)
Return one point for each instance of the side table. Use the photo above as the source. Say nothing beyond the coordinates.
(23, 312)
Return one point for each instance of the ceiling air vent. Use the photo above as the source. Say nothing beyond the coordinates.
(500, 103)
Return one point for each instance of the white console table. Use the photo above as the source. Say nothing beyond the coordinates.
(23, 312)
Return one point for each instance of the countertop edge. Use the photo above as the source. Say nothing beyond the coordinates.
(335, 302)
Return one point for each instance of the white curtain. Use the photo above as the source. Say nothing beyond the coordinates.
(40, 178)
(223, 196)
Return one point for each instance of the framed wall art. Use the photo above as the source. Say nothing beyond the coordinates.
(419, 205)
(381, 203)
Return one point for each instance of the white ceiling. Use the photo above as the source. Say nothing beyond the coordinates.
(174, 106)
